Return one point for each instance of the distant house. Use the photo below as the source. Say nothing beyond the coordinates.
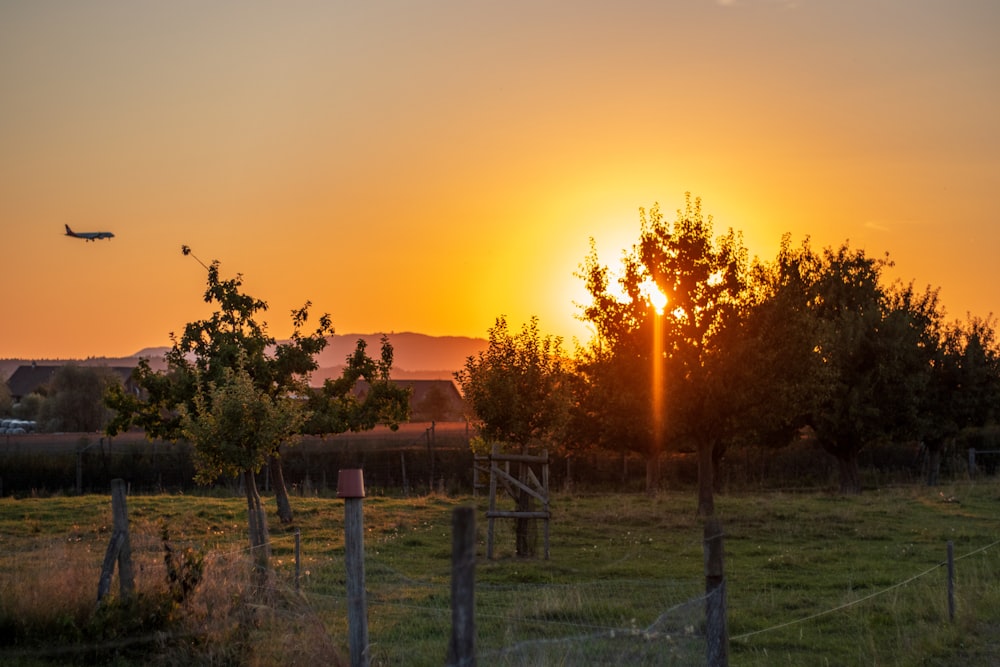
(27, 380)
(430, 400)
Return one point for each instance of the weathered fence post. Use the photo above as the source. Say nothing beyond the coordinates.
(490, 514)
(462, 648)
(406, 480)
(972, 462)
(298, 559)
(430, 455)
(79, 472)
(119, 549)
(351, 487)
(716, 630)
(951, 580)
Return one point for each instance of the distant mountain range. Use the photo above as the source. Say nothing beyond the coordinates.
(415, 356)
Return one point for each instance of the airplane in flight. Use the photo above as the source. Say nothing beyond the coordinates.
(89, 236)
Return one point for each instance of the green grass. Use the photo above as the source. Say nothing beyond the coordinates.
(812, 579)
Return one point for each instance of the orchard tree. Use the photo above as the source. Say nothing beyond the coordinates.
(879, 344)
(338, 408)
(775, 375)
(228, 363)
(964, 389)
(518, 390)
(236, 426)
(231, 338)
(699, 283)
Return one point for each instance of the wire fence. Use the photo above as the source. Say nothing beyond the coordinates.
(634, 622)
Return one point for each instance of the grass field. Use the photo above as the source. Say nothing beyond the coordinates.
(812, 578)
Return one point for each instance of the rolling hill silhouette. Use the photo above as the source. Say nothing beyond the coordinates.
(415, 356)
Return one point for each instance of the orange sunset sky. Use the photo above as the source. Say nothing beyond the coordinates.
(428, 166)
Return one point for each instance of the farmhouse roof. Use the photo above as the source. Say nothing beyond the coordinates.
(29, 379)
(430, 400)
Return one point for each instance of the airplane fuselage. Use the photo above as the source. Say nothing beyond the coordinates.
(88, 236)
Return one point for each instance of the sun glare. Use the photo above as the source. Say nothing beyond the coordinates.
(655, 296)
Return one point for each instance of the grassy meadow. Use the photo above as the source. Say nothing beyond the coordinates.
(812, 579)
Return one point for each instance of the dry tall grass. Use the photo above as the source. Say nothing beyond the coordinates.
(49, 611)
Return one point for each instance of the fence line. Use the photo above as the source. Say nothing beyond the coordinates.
(530, 613)
(591, 631)
(852, 603)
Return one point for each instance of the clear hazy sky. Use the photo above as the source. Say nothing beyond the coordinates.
(427, 166)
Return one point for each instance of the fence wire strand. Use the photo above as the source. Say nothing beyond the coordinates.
(852, 603)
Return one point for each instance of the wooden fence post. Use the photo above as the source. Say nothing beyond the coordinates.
(119, 549)
(716, 630)
(406, 481)
(462, 648)
(351, 487)
(490, 514)
(79, 472)
(951, 580)
(429, 433)
(298, 559)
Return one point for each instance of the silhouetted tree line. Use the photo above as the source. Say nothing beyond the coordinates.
(700, 349)
(700, 354)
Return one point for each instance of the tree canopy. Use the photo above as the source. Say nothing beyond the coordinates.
(238, 394)
(517, 387)
(639, 353)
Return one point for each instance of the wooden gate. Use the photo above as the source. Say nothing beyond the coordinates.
(497, 465)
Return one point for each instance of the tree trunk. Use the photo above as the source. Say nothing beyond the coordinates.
(568, 484)
(653, 473)
(526, 530)
(706, 497)
(260, 543)
(280, 490)
(850, 475)
(933, 467)
(934, 449)
(718, 451)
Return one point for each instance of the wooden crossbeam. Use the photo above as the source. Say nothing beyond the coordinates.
(499, 514)
(510, 479)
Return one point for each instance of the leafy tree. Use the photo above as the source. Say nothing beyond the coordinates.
(878, 343)
(964, 388)
(337, 408)
(236, 426)
(775, 377)
(231, 337)
(6, 400)
(435, 405)
(704, 281)
(517, 388)
(30, 406)
(227, 368)
(74, 400)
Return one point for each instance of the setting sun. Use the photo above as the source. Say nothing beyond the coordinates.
(656, 298)
(428, 168)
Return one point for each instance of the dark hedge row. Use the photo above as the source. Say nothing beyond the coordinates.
(393, 466)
